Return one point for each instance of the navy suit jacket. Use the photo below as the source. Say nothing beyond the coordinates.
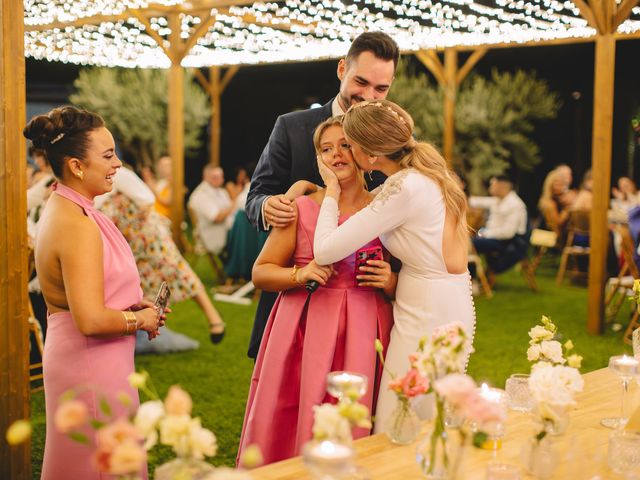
(288, 157)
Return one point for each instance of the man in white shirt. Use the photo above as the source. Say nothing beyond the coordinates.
(504, 239)
(212, 206)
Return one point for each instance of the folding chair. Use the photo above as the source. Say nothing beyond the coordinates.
(621, 285)
(35, 369)
(542, 240)
(578, 225)
(199, 247)
(476, 260)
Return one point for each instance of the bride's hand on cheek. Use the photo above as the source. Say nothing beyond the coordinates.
(329, 178)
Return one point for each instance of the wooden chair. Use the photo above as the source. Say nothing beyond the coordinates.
(541, 241)
(618, 288)
(199, 247)
(35, 369)
(578, 225)
(475, 259)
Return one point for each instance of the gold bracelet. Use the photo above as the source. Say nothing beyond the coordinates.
(131, 322)
(294, 275)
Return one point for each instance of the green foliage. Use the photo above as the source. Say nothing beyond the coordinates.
(134, 104)
(494, 119)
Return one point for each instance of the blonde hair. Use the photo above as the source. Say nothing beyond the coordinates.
(382, 128)
(546, 196)
(317, 139)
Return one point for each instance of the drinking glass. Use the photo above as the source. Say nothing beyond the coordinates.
(626, 368)
(635, 337)
(502, 471)
(517, 387)
(624, 451)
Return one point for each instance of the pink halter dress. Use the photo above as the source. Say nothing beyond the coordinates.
(95, 368)
(336, 331)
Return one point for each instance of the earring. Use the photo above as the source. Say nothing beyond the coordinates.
(80, 175)
(370, 177)
(372, 160)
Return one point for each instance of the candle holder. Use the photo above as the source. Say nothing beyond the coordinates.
(346, 386)
(494, 430)
(626, 368)
(328, 460)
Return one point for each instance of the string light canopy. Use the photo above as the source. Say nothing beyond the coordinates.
(130, 33)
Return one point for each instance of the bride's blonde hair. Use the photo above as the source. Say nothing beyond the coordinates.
(382, 128)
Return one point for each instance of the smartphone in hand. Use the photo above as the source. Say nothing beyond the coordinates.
(162, 298)
(365, 254)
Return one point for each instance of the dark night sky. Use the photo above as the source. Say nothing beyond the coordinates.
(258, 94)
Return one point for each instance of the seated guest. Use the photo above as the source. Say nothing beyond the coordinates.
(626, 195)
(160, 184)
(504, 238)
(307, 337)
(130, 207)
(213, 209)
(584, 198)
(90, 284)
(553, 204)
(39, 189)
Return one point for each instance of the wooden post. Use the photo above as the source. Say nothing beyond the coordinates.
(605, 62)
(176, 127)
(214, 97)
(450, 90)
(15, 462)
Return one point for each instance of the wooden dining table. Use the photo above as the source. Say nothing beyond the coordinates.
(582, 449)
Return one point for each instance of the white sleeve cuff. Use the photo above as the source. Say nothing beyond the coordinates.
(265, 224)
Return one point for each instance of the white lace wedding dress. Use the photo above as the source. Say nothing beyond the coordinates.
(408, 215)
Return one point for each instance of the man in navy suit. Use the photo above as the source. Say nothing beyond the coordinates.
(365, 73)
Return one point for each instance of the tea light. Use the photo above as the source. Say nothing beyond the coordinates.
(494, 395)
(327, 459)
(495, 430)
(625, 366)
(340, 384)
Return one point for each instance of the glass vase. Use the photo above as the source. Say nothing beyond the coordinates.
(539, 457)
(403, 425)
(184, 469)
(440, 454)
(554, 418)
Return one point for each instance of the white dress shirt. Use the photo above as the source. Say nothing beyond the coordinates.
(507, 216)
(207, 202)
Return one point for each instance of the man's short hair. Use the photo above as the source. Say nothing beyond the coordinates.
(503, 178)
(378, 43)
(32, 151)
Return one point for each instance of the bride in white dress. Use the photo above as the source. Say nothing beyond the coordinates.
(419, 215)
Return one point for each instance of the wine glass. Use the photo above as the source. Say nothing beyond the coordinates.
(626, 368)
(346, 386)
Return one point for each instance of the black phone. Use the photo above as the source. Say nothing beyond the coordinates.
(162, 297)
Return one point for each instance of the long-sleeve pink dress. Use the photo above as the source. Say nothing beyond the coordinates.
(336, 331)
(96, 368)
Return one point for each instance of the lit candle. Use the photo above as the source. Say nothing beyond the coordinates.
(340, 384)
(328, 450)
(625, 365)
(494, 395)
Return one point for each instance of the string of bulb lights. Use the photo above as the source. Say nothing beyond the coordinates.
(292, 30)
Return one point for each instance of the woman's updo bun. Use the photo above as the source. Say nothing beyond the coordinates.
(62, 133)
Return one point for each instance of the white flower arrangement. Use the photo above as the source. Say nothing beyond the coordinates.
(544, 346)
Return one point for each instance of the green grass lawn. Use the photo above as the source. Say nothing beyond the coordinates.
(218, 376)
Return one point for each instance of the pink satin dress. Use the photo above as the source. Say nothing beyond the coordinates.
(95, 368)
(336, 331)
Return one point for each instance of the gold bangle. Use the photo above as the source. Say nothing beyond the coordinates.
(294, 275)
(131, 322)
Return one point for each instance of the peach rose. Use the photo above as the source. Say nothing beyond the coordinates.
(128, 457)
(411, 385)
(112, 435)
(71, 415)
(178, 402)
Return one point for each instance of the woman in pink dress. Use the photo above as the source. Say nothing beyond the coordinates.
(89, 281)
(334, 330)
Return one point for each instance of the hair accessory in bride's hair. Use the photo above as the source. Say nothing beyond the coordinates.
(376, 104)
(59, 137)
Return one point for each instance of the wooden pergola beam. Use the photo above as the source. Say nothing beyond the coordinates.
(430, 60)
(162, 43)
(228, 75)
(471, 62)
(449, 107)
(623, 12)
(15, 461)
(587, 13)
(202, 29)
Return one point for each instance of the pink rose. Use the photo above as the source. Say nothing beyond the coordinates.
(112, 435)
(71, 415)
(455, 388)
(411, 385)
(178, 402)
(102, 460)
(477, 408)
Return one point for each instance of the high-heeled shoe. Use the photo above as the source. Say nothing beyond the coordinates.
(217, 337)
